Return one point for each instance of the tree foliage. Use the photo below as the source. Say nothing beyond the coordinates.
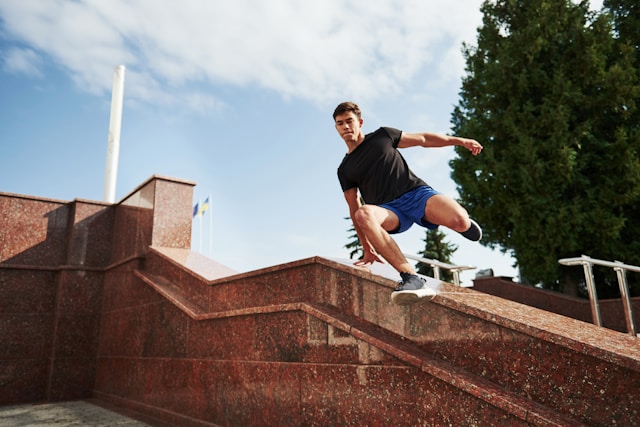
(438, 249)
(551, 93)
(354, 244)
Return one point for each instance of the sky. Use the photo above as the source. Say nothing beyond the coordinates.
(237, 97)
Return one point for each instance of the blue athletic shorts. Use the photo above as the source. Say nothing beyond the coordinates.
(410, 208)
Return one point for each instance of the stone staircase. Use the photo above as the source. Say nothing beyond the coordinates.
(317, 342)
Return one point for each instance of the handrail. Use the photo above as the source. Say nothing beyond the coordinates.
(437, 265)
(621, 271)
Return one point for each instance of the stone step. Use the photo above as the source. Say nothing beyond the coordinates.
(356, 332)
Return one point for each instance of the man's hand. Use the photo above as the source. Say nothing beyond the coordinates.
(472, 145)
(369, 258)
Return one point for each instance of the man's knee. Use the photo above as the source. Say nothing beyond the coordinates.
(365, 217)
(452, 216)
(371, 218)
(459, 221)
(443, 210)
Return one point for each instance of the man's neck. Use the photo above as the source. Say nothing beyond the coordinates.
(352, 145)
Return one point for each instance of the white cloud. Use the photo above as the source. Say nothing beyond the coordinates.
(317, 50)
(22, 61)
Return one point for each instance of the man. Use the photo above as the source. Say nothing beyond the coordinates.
(395, 198)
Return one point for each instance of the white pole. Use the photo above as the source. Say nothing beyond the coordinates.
(210, 226)
(200, 228)
(113, 146)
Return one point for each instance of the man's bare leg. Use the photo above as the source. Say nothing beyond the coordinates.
(374, 222)
(443, 210)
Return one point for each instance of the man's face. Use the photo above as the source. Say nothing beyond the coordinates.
(348, 126)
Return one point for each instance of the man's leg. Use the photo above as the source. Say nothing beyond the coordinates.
(375, 222)
(443, 210)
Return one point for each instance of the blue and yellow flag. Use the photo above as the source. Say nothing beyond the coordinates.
(204, 207)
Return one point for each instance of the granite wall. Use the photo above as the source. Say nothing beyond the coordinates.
(107, 301)
(54, 256)
(611, 310)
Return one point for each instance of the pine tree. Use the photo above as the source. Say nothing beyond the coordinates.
(626, 22)
(550, 95)
(436, 248)
(354, 244)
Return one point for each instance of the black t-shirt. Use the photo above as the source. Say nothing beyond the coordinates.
(377, 168)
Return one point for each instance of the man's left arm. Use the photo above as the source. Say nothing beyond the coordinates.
(431, 140)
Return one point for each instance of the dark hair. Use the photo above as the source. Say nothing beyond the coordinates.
(345, 107)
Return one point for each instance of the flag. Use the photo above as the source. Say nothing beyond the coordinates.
(204, 207)
(196, 211)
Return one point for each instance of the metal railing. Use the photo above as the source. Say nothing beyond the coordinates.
(437, 265)
(621, 271)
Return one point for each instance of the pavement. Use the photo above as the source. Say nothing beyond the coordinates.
(76, 413)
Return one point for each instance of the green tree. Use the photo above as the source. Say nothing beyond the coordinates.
(626, 22)
(354, 244)
(438, 249)
(549, 94)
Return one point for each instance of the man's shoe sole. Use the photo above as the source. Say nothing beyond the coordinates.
(411, 297)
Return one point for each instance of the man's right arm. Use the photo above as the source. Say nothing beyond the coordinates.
(353, 201)
(431, 140)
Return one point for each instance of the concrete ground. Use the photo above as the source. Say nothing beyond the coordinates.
(59, 414)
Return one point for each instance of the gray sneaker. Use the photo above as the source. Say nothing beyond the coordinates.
(412, 288)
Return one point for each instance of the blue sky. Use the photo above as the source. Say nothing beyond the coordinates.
(236, 96)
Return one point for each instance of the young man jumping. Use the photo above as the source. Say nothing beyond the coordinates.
(395, 198)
